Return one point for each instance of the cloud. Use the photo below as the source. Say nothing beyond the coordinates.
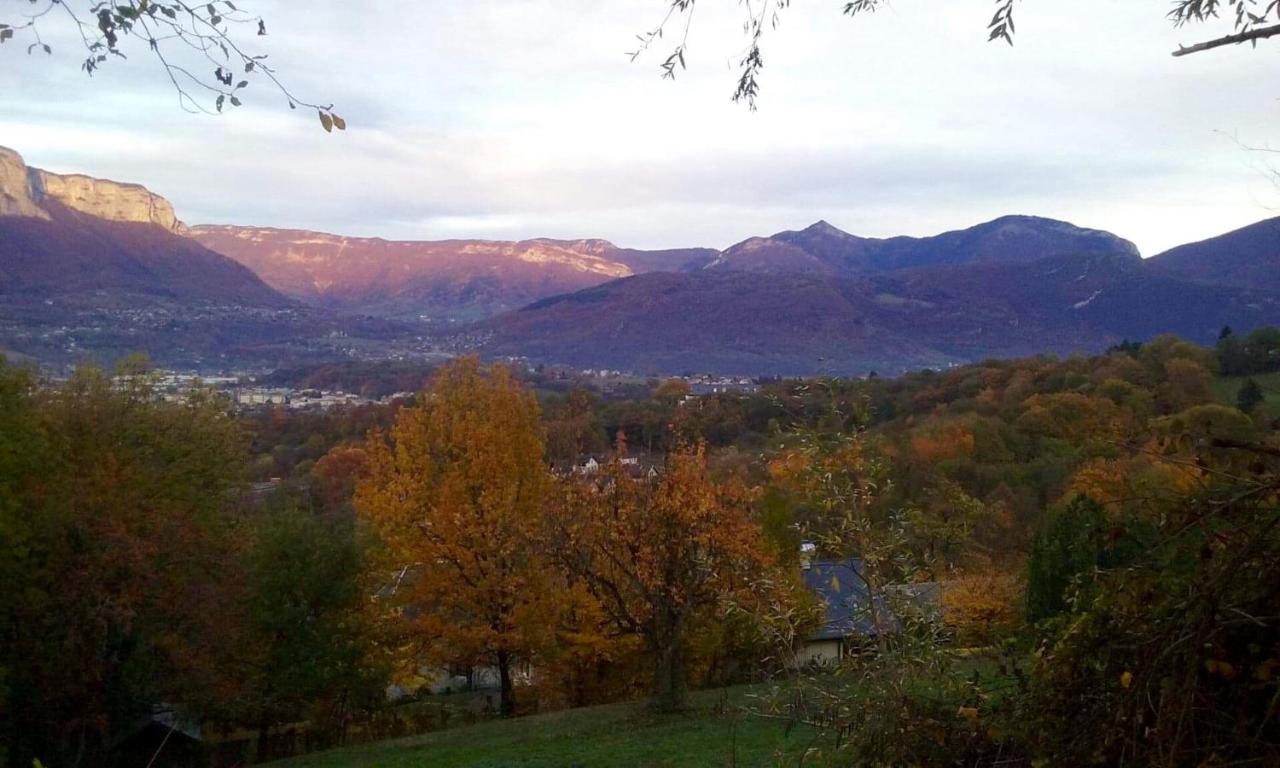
(520, 118)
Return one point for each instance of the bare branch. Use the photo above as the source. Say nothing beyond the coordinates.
(1250, 36)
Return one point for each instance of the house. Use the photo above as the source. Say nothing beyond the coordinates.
(844, 596)
(845, 599)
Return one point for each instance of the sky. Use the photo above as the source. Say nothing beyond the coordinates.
(508, 119)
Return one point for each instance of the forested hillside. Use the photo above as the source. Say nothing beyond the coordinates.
(570, 550)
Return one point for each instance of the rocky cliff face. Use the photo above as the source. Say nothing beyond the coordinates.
(25, 191)
(16, 196)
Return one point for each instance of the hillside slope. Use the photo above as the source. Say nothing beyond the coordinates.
(1248, 257)
(748, 322)
(445, 279)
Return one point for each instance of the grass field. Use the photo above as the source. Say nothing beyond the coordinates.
(714, 733)
(1227, 387)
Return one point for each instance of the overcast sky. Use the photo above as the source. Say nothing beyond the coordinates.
(522, 118)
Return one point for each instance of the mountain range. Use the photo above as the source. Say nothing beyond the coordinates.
(446, 279)
(114, 264)
(799, 323)
(823, 249)
(821, 300)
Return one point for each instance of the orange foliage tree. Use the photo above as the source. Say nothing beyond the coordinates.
(983, 607)
(457, 495)
(943, 442)
(658, 555)
(335, 475)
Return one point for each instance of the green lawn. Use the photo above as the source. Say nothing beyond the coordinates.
(615, 735)
(1227, 387)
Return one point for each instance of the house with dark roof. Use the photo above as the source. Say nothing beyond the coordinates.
(846, 606)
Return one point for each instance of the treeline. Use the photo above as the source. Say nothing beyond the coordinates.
(1100, 537)
(1258, 352)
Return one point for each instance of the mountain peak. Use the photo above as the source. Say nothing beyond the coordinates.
(824, 227)
(25, 191)
(1044, 227)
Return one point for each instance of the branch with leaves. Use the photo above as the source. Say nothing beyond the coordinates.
(198, 46)
(1249, 18)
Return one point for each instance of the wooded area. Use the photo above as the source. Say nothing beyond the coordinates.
(1099, 534)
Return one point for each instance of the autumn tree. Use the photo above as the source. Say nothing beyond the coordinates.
(983, 607)
(334, 478)
(672, 390)
(573, 427)
(660, 555)
(456, 491)
(117, 559)
(842, 479)
(1163, 650)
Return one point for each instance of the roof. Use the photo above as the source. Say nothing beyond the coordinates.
(839, 585)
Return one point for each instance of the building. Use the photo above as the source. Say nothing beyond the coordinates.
(846, 604)
(844, 596)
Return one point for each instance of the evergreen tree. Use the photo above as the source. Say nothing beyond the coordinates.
(1250, 396)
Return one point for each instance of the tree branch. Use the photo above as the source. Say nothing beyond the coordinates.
(1252, 35)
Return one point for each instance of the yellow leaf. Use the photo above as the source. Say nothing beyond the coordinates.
(1126, 679)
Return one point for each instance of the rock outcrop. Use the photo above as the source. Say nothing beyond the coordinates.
(16, 196)
(24, 191)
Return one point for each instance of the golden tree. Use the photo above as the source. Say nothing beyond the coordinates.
(457, 495)
(660, 554)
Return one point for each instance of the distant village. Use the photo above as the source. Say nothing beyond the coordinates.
(246, 392)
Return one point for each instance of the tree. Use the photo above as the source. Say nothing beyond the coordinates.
(198, 45)
(310, 647)
(573, 427)
(842, 480)
(1066, 550)
(1250, 24)
(671, 391)
(334, 479)
(1166, 652)
(457, 492)
(114, 554)
(24, 449)
(658, 556)
(982, 608)
(1250, 396)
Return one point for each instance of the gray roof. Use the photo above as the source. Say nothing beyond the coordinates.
(839, 585)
